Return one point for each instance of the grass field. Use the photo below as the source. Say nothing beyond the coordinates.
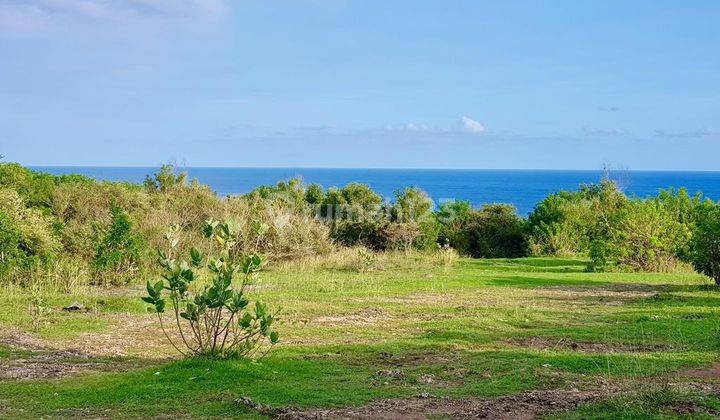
(503, 338)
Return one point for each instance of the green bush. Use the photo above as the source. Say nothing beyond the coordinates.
(642, 235)
(9, 240)
(704, 246)
(117, 256)
(26, 235)
(165, 180)
(559, 225)
(412, 219)
(566, 223)
(496, 231)
(216, 319)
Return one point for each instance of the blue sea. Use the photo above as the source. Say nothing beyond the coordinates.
(523, 188)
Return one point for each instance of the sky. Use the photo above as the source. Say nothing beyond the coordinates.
(338, 83)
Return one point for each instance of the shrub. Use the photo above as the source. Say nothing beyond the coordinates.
(559, 225)
(83, 214)
(368, 232)
(314, 194)
(287, 233)
(642, 235)
(35, 188)
(452, 216)
(412, 212)
(353, 213)
(117, 257)
(704, 247)
(411, 204)
(218, 319)
(26, 235)
(165, 180)
(494, 231)
(401, 235)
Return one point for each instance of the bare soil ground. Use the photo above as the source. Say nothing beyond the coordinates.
(547, 344)
(35, 360)
(527, 405)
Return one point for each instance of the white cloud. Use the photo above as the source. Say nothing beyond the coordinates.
(471, 126)
(411, 127)
(609, 132)
(703, 132)
(37, 15)
(609, 108)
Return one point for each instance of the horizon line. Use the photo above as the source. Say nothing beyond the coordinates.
(371, 168)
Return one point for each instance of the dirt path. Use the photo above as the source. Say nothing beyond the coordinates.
(527, 405)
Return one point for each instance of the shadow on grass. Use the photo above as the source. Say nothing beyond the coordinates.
(536, 264)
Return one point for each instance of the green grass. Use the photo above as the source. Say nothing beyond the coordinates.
(455, 325)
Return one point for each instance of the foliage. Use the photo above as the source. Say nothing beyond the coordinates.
(166, 180)
(117, 257)
(411, 204)
(314, 194)
(704, 247)
(219, 319)
(493, 231)
(412, 213)
(26, 235)
(58, 228)
(354, 215)
(559, 225)
(641, 235)
(566, 223)
(401, 235)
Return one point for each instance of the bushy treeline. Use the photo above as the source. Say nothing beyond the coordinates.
(627, 233)
(74, 229)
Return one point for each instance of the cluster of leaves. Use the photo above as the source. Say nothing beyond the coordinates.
(213, 315)
(704, 246)
(26, 234)
(117, 256)
(618, 232)
(493, 231)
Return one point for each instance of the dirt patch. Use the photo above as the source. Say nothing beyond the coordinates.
(48, 365)
(366, 317)
(615, 295)
(546, 344)
(712, 371)
(126, 335)
(37, 362)
(528, 405)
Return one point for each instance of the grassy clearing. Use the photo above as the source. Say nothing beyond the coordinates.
(403, 326)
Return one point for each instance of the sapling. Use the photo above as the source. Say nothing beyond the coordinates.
(211, 311)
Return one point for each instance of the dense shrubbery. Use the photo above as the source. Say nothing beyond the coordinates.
(117, 256)
(615, 231)
(26, 235)
(493, 231)
(105, 233)
(704, 245)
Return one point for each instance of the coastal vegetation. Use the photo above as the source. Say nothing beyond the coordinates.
(80, 231)
(594, 305)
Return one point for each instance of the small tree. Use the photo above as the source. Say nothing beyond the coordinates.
(402, 235)
(705, 243)
(117, 256)
(165, 180)
(217, 320)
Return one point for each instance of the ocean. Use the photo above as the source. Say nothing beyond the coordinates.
(522, 188)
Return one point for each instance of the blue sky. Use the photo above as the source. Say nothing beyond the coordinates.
(440, 84)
